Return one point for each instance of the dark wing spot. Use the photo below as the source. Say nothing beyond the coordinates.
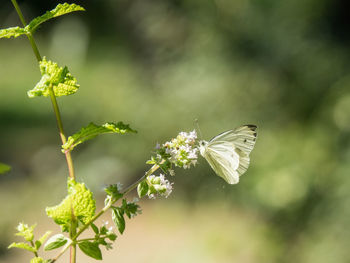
(245, 140)
(251, 126)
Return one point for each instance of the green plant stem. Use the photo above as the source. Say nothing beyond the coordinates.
(19, 12)
(61, 131)
(72, 233)
(29, 35)
(51, 91)
(35, 253)
(89, 239)
(68, 156)
(63, 250)
(107, 206)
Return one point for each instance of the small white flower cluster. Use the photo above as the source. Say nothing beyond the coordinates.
(26, 231)
(159, 185)
(109, 229)
(182, 150)
(22, 227)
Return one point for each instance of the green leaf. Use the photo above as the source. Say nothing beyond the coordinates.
(152, 161)
(12, 32)
(54, 77)
(92, 130)
(103, 230)
(37, 260)
(60, 9)
(55, 241)
(112, 236)
(165, 166)
(114, 191)
(94, 228)
(118, 219)
(142, 189)
(102, 242)
(4, 168)
(80, 200)
(41, 260)
(23, 246)
(91, 249)
(42, 239)
(131, 209)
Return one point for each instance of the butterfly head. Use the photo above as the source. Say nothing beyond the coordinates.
(202, 146)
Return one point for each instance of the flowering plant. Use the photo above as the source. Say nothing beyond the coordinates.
(77, 211)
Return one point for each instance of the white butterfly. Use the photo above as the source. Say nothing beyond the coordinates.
(228, 152)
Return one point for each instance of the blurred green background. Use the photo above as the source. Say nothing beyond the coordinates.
(159, 65)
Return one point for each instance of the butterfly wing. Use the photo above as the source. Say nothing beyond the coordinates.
(224, 161)
(228, 152)
(243, 137)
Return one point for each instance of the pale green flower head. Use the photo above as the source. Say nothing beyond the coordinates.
(27, 232)
(158, 185)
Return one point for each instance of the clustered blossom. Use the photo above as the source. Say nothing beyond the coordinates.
(109, 229)
(158, 185)
(182, 149)
(25, 231)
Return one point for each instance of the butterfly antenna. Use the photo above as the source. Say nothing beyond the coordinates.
(196, 124)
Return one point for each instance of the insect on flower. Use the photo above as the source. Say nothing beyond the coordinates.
(228, 152)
